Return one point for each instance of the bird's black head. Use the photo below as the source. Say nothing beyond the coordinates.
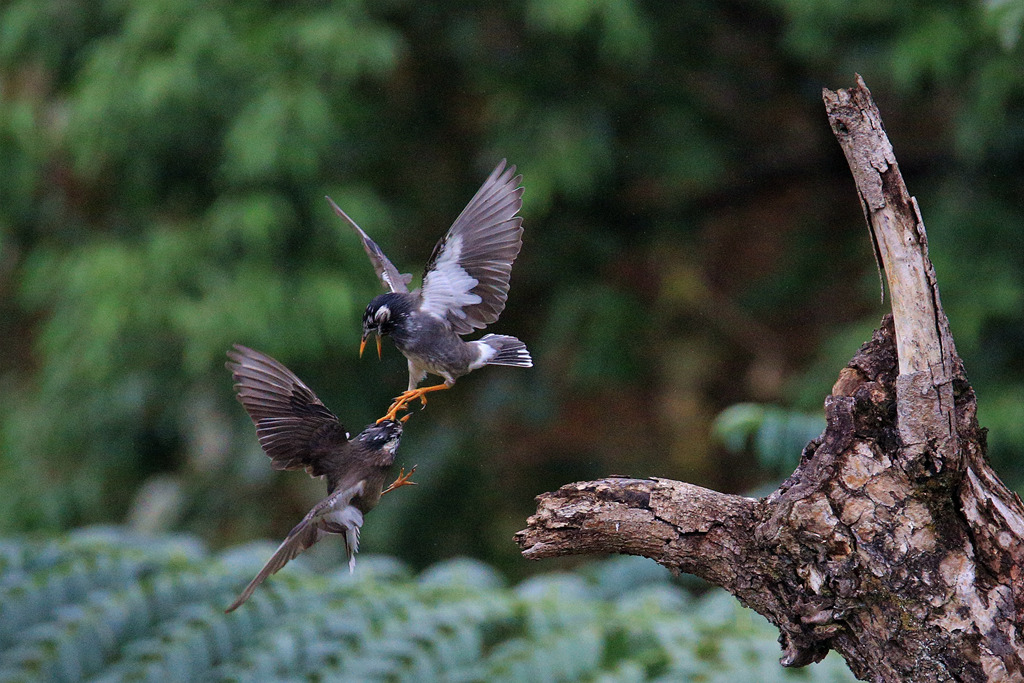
(383, 436)
(385, 312)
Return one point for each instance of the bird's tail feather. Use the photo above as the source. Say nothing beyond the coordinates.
(351, 548)
(352, 540)
(508, 351)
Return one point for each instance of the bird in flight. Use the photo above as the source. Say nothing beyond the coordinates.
(298, 432)
(465, 285)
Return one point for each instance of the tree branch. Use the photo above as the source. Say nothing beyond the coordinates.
(682, 526)
(924, 345)
(926, 410)
(893, 542)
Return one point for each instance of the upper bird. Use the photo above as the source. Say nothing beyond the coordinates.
(298, 432)
(465, 285)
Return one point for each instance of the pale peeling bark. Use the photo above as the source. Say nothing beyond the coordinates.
(893, 543)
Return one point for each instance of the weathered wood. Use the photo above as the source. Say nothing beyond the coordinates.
(893, 542)
(924, 344)
(685, 527)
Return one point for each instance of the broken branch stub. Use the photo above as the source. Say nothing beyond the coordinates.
(924, 345)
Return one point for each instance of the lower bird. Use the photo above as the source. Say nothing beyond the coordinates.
(298, 432)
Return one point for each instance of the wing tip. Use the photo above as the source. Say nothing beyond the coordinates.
(345, 217)
(504, 173)
(237, 352)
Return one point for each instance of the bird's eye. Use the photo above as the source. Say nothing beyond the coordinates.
(382, 315)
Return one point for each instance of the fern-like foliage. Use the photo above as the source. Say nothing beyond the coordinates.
(105, 605)
(776, 435)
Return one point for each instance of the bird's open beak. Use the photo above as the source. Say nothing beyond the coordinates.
(362, 346)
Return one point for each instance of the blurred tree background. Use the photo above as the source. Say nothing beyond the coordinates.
(695, 268)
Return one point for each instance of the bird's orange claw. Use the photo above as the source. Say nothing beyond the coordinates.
(402, 480)
(411, 395)
(403, 400)
(396, 407)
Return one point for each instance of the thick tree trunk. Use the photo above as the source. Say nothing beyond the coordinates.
(893, 542)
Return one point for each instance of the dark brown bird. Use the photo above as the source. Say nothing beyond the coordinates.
(465, 285)
(298, 432)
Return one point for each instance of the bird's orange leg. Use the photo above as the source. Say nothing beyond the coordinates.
(406, 397)
(402, 480)
(413, 394)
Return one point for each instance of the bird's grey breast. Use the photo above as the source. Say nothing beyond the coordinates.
(372, 469)
(430, 343)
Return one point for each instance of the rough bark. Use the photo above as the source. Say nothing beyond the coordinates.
(893, 543)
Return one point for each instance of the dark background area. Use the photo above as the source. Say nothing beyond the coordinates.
(693, 242)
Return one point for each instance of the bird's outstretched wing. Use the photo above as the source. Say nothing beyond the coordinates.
(334, 515)
(294, 428)
(392, 280)
(466, 279)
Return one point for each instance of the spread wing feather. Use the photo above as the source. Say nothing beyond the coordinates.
(294, 428)
(466, 280)
(392, 280)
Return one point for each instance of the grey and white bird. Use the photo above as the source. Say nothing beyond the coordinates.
(298, 432)
(465, 285)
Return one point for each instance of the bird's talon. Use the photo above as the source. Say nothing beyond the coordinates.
(403, 400)
(400, 403)
(393, 411)
(402, 480)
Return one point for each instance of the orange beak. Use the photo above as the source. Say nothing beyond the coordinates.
(362, 346)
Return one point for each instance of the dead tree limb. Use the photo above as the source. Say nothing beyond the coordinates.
(893, 543)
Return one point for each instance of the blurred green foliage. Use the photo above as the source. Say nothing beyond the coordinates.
(776, 436)
(103, 605)
(692, 239)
